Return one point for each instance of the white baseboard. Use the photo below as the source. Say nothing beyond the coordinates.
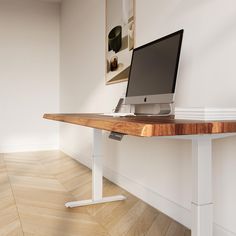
(148, 195)
(11, 148)
(220, 231)
(170, 208)
(205, 113)
(151, 197)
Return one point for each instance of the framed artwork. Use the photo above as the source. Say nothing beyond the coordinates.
(120, 39)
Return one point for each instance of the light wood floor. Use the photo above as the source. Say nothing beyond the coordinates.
(35, 186)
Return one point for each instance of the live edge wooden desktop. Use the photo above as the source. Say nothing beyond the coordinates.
(201, 134)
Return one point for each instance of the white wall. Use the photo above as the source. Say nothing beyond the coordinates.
(29, 74)
(156, 170)
(207, 70)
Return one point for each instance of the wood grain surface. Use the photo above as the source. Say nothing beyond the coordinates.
(146, 126)
(34, 187)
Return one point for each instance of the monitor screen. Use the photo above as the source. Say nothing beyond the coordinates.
(154, 67)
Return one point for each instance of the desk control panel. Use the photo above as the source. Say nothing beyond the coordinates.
(116, 136)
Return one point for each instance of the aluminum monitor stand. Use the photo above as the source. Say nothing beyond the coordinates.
(153, 109)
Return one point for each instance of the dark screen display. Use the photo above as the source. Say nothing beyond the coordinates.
(154, 67)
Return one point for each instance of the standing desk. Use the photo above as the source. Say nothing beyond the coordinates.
(201, 133)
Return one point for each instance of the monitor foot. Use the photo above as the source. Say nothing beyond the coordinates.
(153, 109)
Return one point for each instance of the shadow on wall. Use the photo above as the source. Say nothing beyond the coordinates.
(218, 34)
(83, 56)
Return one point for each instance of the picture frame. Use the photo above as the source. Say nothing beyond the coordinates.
(119, 38)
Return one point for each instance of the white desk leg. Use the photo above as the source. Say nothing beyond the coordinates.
(202, 206)
(97, 167)
(97, 175)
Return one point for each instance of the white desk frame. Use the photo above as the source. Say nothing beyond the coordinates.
(97, 176)
(202, 205)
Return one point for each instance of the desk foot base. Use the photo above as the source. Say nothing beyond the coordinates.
(202, 218)
(93, 202)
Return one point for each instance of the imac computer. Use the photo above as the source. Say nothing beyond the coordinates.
(152, 77)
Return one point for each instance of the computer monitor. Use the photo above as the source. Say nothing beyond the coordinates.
(153, 71)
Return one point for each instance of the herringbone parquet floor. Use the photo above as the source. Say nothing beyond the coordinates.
(34, 187)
